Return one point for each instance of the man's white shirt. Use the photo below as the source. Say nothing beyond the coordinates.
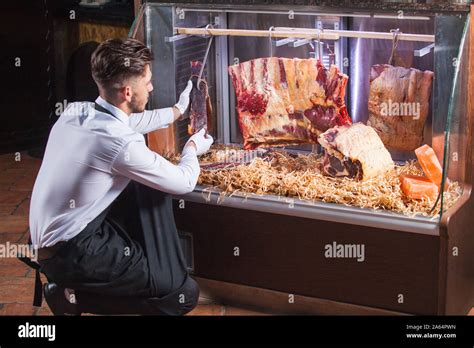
(90, 158)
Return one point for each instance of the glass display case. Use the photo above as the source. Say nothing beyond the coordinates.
(408, 255)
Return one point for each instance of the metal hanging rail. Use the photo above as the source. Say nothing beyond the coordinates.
(304, 33)
(180, 10)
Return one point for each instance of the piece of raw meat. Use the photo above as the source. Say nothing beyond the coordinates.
(399, 105)
(200, 112)
(282, 101)
(354, 151)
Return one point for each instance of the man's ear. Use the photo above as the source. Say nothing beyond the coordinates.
(126, 92)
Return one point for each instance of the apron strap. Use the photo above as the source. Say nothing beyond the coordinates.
(38, 294)
(102, 109)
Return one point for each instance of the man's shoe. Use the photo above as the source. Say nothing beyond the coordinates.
(56, 298)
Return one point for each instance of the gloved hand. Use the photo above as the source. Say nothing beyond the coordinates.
(183, 102)
(202, 141)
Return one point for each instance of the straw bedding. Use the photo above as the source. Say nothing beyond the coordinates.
(298, 175)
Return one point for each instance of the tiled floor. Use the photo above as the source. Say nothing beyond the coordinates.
(17, 176)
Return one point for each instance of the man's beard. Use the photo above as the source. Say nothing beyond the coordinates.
(135, 106)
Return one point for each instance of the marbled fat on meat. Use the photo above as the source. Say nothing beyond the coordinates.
(282, 101)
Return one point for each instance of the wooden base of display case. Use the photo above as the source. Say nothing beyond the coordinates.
(398, 272)
(279, 303)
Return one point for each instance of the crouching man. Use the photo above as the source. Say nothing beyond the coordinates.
(101, 210)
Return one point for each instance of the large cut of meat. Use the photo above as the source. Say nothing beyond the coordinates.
(200, 113)
(283, 101)
(354, 151)
(399, 104)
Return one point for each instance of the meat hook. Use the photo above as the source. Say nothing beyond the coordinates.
(199, 80)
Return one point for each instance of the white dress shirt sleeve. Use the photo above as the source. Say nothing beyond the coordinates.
(150, 120)
(137, 162)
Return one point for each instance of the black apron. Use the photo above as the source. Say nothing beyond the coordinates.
(131, 249)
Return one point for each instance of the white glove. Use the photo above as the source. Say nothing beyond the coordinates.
(183, 102)
(203, 142)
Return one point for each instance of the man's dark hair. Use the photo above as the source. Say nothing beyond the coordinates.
(118, 59)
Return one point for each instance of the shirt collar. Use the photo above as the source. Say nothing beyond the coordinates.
(122, 116)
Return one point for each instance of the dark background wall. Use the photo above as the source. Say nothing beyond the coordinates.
(27, 91)
(44, 62)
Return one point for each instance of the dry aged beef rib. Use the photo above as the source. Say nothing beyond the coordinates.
(399, 104)
(283, 101)
(200, 112)
(354, 151)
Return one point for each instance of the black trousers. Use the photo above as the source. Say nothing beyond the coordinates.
(128, 259)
